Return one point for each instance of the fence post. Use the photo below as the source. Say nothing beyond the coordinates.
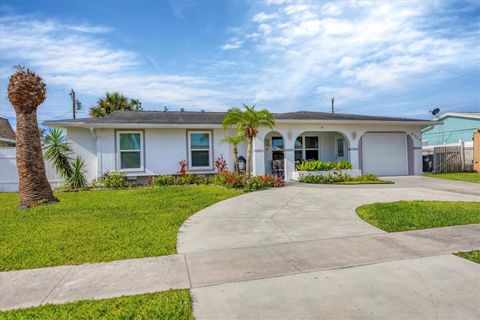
(462, 153)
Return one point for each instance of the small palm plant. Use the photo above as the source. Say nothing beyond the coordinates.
(247, 122)
(235, 141)
(56, 150)
(77, 179)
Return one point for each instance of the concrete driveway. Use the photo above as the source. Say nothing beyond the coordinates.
(320, 226)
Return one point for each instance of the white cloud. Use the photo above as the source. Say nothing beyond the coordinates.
(75, 56)
(262, 17)
(331, 9)
(355, 46)
(233, 43)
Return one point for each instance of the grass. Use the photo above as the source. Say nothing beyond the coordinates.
(94, 226)
(172, 304)
(459, 176)
(471, 255)
(413, 215)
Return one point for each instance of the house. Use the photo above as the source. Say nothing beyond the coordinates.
(454, 126)
(7, 135)
(147, 143)
(453, 129)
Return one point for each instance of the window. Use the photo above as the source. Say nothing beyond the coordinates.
(340, 148)
(299, 149)
(277, 143)
(200, 149)
(306, 148)
(130, 150)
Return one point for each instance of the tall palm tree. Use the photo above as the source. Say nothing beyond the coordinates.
(26, 91)
(235, 141)
(247, 122)
(112, 102)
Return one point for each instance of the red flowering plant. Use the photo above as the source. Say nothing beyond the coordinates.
(278, 182)
(221, 164)
(183, 168)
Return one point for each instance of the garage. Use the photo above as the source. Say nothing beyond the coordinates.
(384, 154)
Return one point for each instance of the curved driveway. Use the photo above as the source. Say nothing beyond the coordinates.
(305, 212)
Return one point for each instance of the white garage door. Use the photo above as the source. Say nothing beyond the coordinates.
(385, 154)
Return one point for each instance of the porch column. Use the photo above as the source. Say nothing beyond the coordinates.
(258, 156)
(289, 154)
(354, 151)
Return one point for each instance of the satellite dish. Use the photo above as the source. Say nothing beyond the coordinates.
(435, 111)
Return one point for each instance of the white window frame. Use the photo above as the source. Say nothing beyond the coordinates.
(210, 150)
(119, 151)
(304, 148)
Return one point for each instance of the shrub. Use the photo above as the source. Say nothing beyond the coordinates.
(344, 164)
(113, 180)
(336, 178)
(183, 167)
(221, 164)
(317, 165)
(163, 180)
(77, 179)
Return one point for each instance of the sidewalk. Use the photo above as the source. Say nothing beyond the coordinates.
(62, 284)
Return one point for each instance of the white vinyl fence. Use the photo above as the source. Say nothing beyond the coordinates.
(9, 176)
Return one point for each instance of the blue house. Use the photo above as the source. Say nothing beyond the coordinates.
(456, 126)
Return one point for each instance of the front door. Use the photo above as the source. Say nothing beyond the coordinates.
(340, 152)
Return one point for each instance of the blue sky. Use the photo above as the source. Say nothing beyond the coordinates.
(398, 58)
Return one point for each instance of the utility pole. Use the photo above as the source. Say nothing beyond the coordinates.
(333, 105)
(72, 95)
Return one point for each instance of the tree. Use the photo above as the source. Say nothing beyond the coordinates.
(235, 141)
(26, 91)
(112, 102)
(57, 151)
(247, 122)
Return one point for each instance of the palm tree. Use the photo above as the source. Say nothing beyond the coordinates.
(235, 141)
(247, 122)
(57, 149)
(112, 102)
(26, 91)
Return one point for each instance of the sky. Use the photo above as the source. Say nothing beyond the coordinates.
(393, 58)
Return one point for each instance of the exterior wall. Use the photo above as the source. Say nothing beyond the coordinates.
(163, 149)
(83, 144)
(452, 130)
(351, 132)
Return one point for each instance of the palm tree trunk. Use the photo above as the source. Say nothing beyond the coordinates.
(249, 157)
(34, 188)
(237, 164)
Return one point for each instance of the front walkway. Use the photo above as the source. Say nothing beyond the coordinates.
(209, 268)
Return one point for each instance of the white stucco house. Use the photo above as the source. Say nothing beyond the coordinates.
(148, 143)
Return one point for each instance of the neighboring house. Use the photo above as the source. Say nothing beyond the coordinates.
(7, 135)
(452, 129)
(454, 126)
(147, 143)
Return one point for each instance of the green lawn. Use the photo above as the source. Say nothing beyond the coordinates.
(471, 255)
(172, 304)
(93, 226)
(413, 215)
(459, 176)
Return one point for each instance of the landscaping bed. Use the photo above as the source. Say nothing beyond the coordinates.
(458, 176)
(414, 215)
(101, 225)
(172, 304)
(340, 178)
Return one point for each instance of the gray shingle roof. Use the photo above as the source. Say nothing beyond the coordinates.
(214, 118)
(6, 131)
